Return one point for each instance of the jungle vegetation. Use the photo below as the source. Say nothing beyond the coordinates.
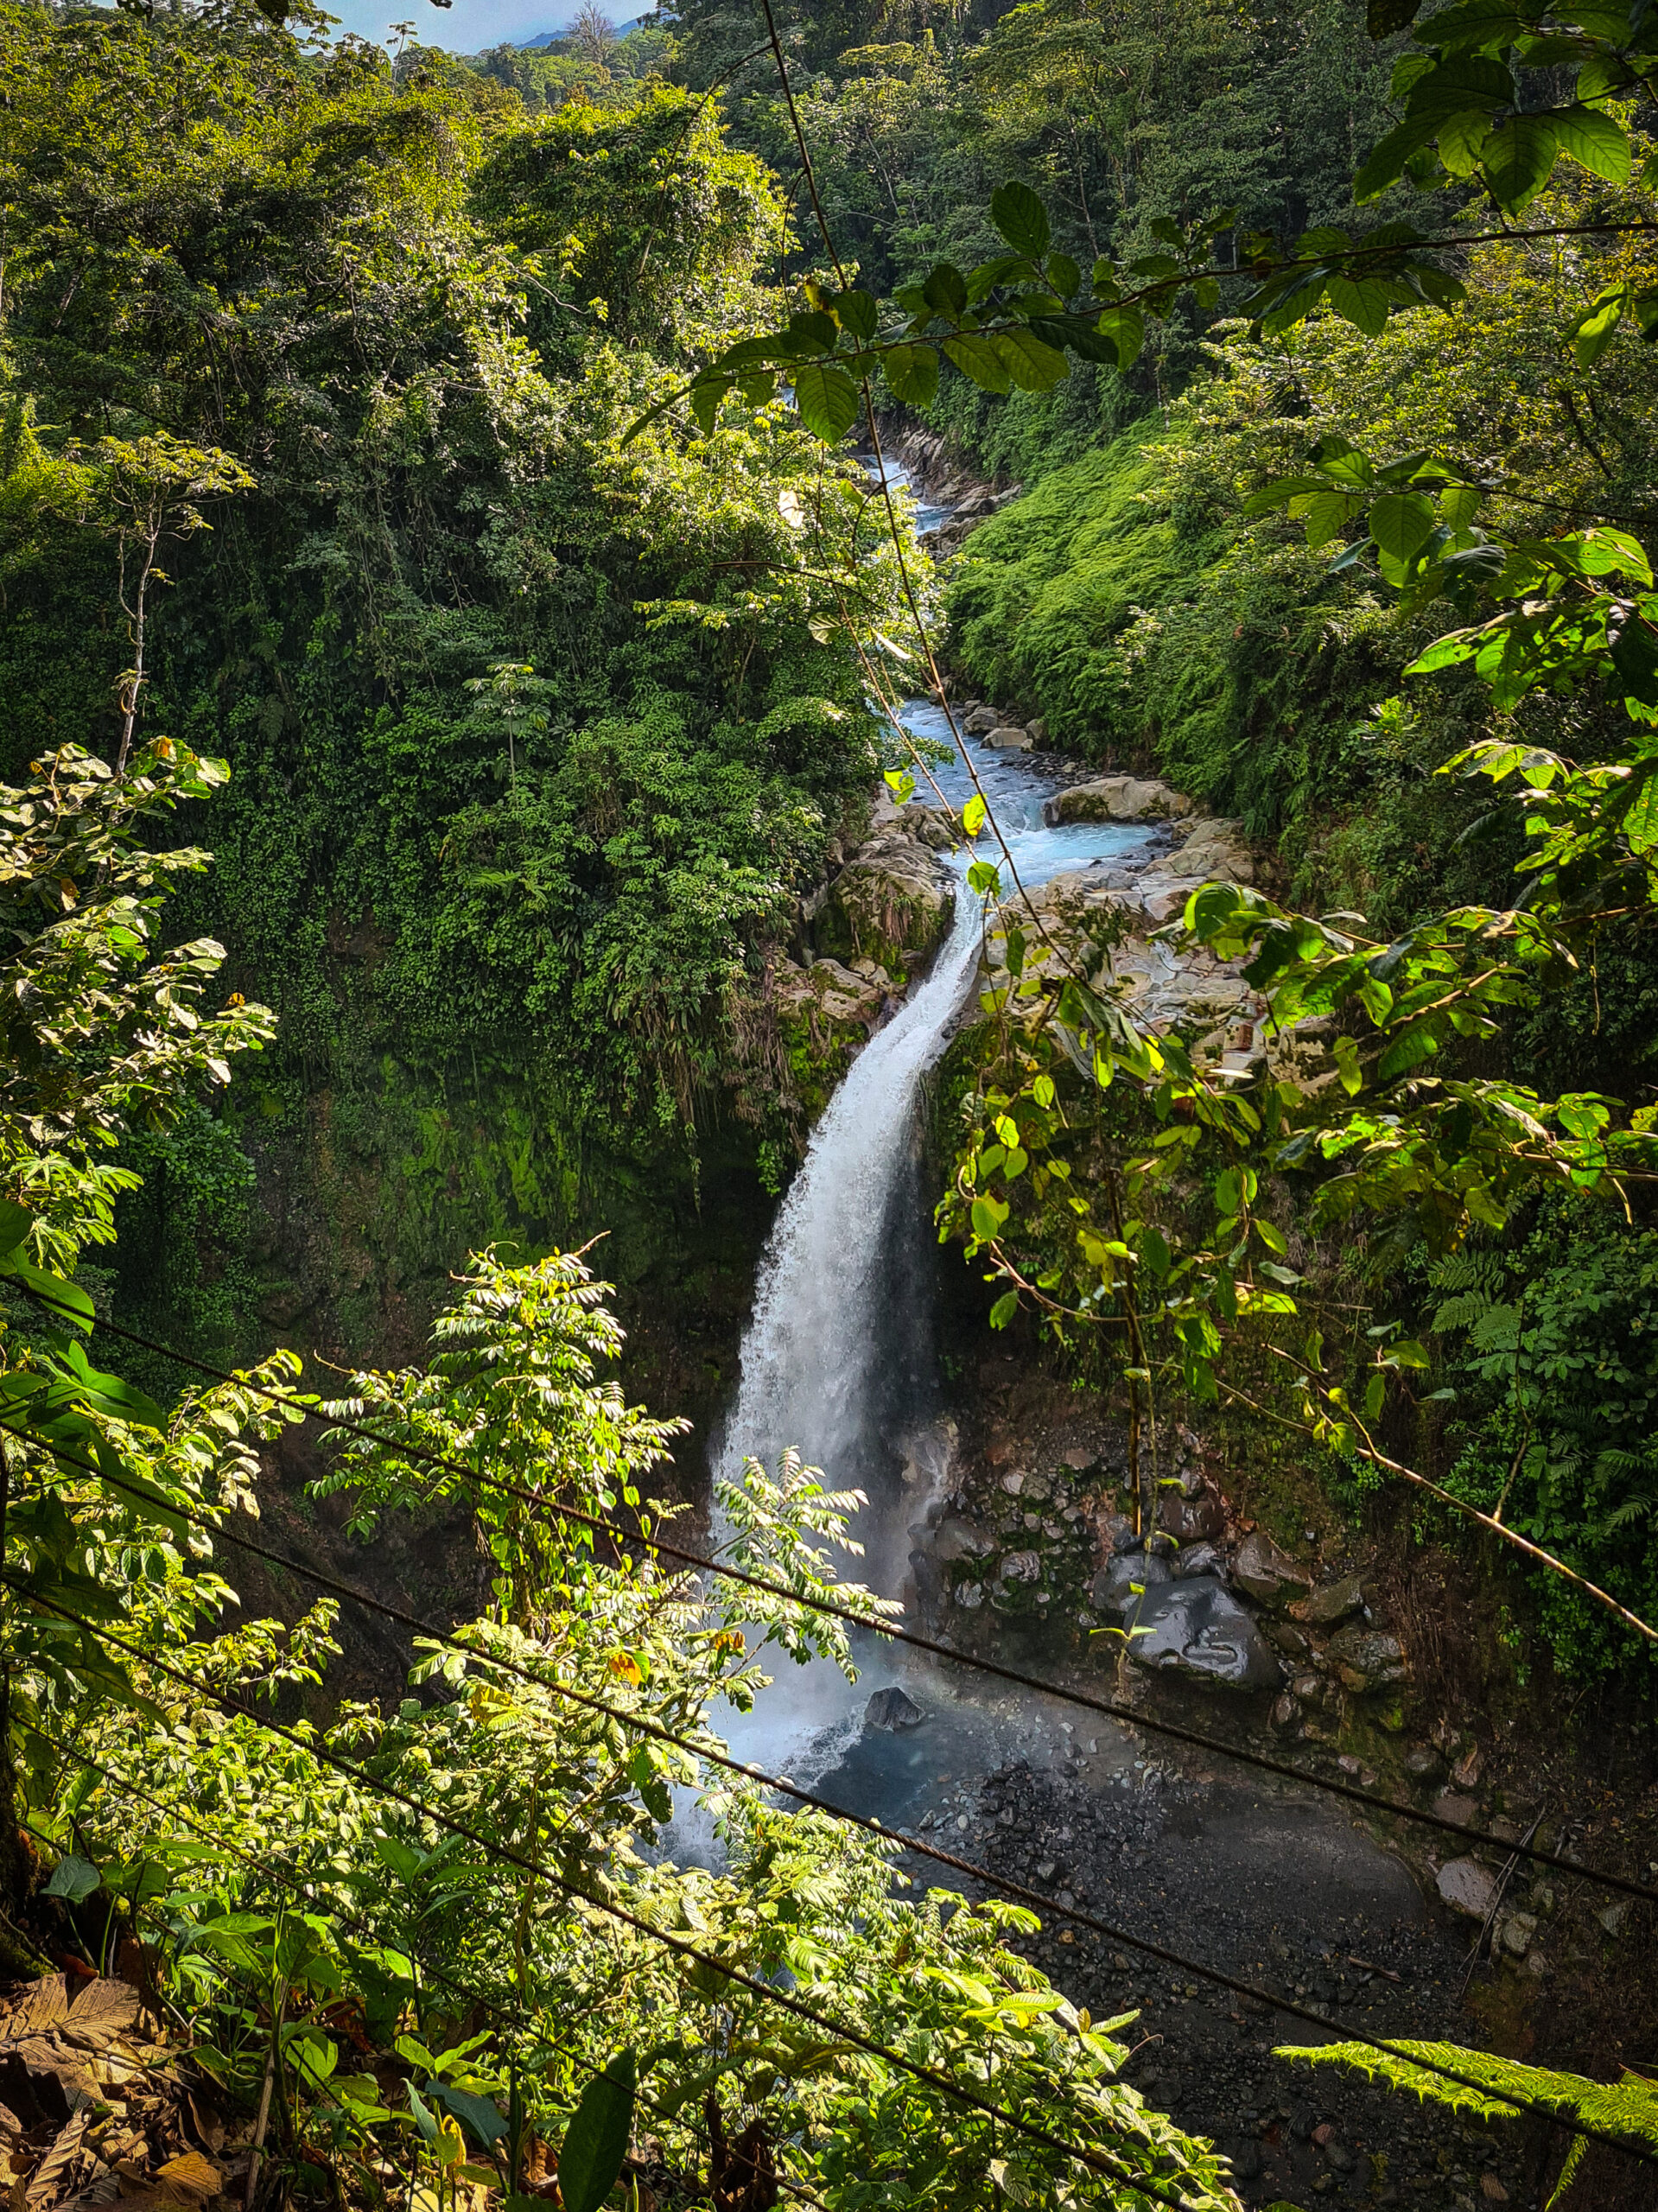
(397, 487)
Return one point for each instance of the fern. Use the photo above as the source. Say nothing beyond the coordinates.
(1628, 2108)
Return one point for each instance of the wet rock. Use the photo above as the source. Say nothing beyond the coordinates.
(1021, 1567)
(1198, 1559)
(1262, 1571)
(1117, 799)
(1112, 1587)
(1333, 1603)
(1198, 1629)
(1424, 1764)
(956, 1539)
(1367, 1659)
(892, 1709)
(1468, 1887)
(1193, 1520)
(893, 902)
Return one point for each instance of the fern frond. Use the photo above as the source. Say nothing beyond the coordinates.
(1627, 2108)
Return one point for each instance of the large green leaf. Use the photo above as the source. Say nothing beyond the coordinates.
(1519, 160)
(1019, 214)
(1600, 142)
(827, 400)
(977, 358)
(595, 2142)
(73, 1879)
(1031, 365)
(1359, 301)
(1469, 84)
(912, 374)
(1401, 523)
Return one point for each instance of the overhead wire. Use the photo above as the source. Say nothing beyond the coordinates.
(1107, 1708)
(643, 1725)
(299, 1888)
(1106, 2164)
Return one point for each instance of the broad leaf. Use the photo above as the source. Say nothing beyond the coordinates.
(1019, 214)
(595, 2142)
(978, 358)
(1600, 144)
(912, 374)
(1519, 160)
(1401, 523)
(73, 1879)
(827, 400)
(1031, 365)
(1359, 302)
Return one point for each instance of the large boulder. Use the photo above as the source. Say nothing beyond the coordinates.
(891, 902)
(1367, 1659)
(1269, 1576)
(1117, 799)
(1197, 1628)
(892, 1709)
(1009, 737)
(824, 1015)
(1214, 852)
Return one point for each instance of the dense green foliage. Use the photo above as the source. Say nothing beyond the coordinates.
(421, 321)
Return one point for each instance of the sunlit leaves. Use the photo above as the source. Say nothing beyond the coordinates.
(827, 399)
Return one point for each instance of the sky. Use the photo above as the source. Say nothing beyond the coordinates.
(469, 26)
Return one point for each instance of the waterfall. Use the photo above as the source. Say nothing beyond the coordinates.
(819, 1334)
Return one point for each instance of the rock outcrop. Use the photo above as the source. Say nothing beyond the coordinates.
(1117, 799)
(892, 903)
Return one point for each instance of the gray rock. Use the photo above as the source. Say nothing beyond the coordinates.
(1266, 1574)
(1333, 1603)
(980, 721)
(1468, 1887)
(1117, 799)
(1198, 1629)
(1112, 1587)
(958, 1539)
(892, 1709)
(1193, 1520)
(1198, 1559)
(1010, 737)
(1367, 1659)
(1424, 1764)
(1021, 1567)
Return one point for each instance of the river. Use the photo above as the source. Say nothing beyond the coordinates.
(1263, 1880)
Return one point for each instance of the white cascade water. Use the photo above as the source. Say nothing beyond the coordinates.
(811, 1349)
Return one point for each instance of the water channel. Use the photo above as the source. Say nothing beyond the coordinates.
(840, 1359)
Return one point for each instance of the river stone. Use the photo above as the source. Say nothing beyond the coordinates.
(957, 1539)
(980, 721)
(1264, 1573)
(1333, 1603)
(1010, 737)
(1117, 798)
(1468, 1887)
(1424, 1764)
(892, 1709)
(1194, 1520)
(1113, 1589)
(1367, 1659)
(893, 901)
(1198, 1559)
(1198, 1629)
(1021, 1567)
